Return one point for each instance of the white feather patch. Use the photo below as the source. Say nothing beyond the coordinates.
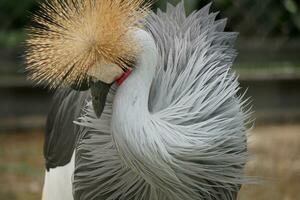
(58, 182)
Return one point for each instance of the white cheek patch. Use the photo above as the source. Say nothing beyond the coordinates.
(106, 73)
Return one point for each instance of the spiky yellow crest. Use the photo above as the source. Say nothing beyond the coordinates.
(71, 36)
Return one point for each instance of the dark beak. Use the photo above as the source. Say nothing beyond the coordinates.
(99, 91)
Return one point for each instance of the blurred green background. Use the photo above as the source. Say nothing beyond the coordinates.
(268, 66)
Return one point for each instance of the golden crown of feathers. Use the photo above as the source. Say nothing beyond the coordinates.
(71, 36)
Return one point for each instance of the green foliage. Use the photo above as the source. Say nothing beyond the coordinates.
(252, 18)
(15, 14)
(11, 38)
(267, 18)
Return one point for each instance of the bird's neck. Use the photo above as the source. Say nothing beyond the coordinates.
(138, 134)
(130, 107)
(132, 96)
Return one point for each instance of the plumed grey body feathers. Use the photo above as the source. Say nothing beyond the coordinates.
(194, 108)
(190, 145)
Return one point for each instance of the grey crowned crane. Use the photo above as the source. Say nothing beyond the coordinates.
(147, 106)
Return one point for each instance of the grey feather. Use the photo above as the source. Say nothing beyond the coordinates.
(197, 122)
(61, 132)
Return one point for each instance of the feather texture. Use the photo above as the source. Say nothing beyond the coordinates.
(61, 133)
(191, 142)
(72, 36)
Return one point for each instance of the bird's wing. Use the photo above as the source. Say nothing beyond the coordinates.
(195, 95)
(61, 132)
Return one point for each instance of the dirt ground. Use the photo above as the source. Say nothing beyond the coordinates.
(21, 166)
(275, 159)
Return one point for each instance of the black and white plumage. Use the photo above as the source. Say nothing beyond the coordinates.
(174, 130)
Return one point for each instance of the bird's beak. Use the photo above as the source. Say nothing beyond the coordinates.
(101, 78)
(99, 91)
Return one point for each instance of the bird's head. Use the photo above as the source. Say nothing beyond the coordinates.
(84, 44)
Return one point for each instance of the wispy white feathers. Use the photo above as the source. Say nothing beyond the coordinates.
(58, 182)
(190, 143)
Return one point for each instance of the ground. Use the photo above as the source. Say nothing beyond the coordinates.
(275, 160)
(21, 166)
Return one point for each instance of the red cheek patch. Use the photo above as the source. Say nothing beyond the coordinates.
(124, 76)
